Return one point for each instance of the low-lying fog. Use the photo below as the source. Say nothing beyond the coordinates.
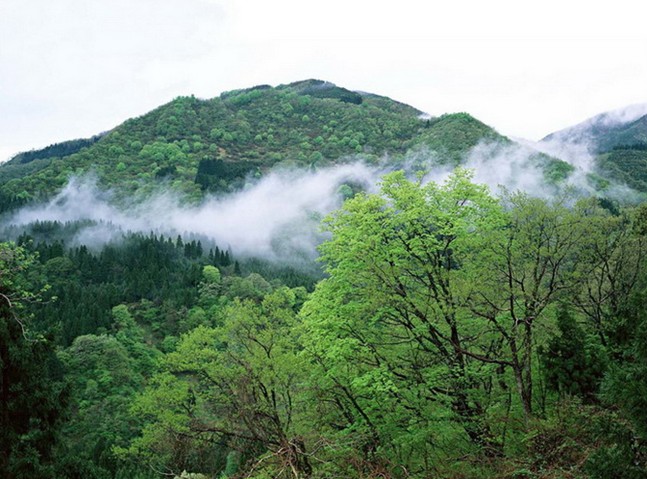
(278, 216)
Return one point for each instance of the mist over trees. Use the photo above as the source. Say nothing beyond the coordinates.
(170, 319)
(456, 334)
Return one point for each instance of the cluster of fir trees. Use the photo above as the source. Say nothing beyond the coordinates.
(85, 284)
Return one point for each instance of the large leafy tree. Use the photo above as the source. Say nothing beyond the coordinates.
(229, 389)
(437, 299)
(616, 248)
(524, 270)
(388, 328)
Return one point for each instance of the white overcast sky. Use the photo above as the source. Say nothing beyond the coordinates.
(73, 68)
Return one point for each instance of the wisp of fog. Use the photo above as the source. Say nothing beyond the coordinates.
(279, 213)
(278, 216)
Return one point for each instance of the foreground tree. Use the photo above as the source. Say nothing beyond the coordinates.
(388, 327)
(232, 389)
(437, 299)
(524, 270)
(616, 249)
(32, 391)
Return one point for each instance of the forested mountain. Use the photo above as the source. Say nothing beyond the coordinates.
(193, 145)
(603, 132)
(618, 140)
(448, 330)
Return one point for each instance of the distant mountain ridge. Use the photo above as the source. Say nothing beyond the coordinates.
(603, 132)
(618, 140)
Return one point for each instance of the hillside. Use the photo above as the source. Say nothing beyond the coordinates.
(626, 164)
(603, 132)
(193, 145)
(618, 141)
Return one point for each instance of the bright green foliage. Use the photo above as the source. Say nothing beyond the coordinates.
(523, 272)
(388, 324)
(437, 301)
(211, 274)
(193, 145)
(236, 385)
(613, 253)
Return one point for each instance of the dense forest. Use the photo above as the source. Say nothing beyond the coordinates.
(446, 331)
(455, 334)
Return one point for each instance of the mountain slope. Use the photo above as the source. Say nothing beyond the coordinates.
(618, 140)
(193, 146)
(603, 132)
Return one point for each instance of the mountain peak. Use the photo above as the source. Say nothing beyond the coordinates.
(323, 89)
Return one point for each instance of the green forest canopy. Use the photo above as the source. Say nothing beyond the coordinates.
(455, 335)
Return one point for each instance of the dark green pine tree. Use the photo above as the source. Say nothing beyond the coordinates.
(572, 365)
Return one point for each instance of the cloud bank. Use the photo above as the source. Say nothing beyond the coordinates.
(278, 216)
